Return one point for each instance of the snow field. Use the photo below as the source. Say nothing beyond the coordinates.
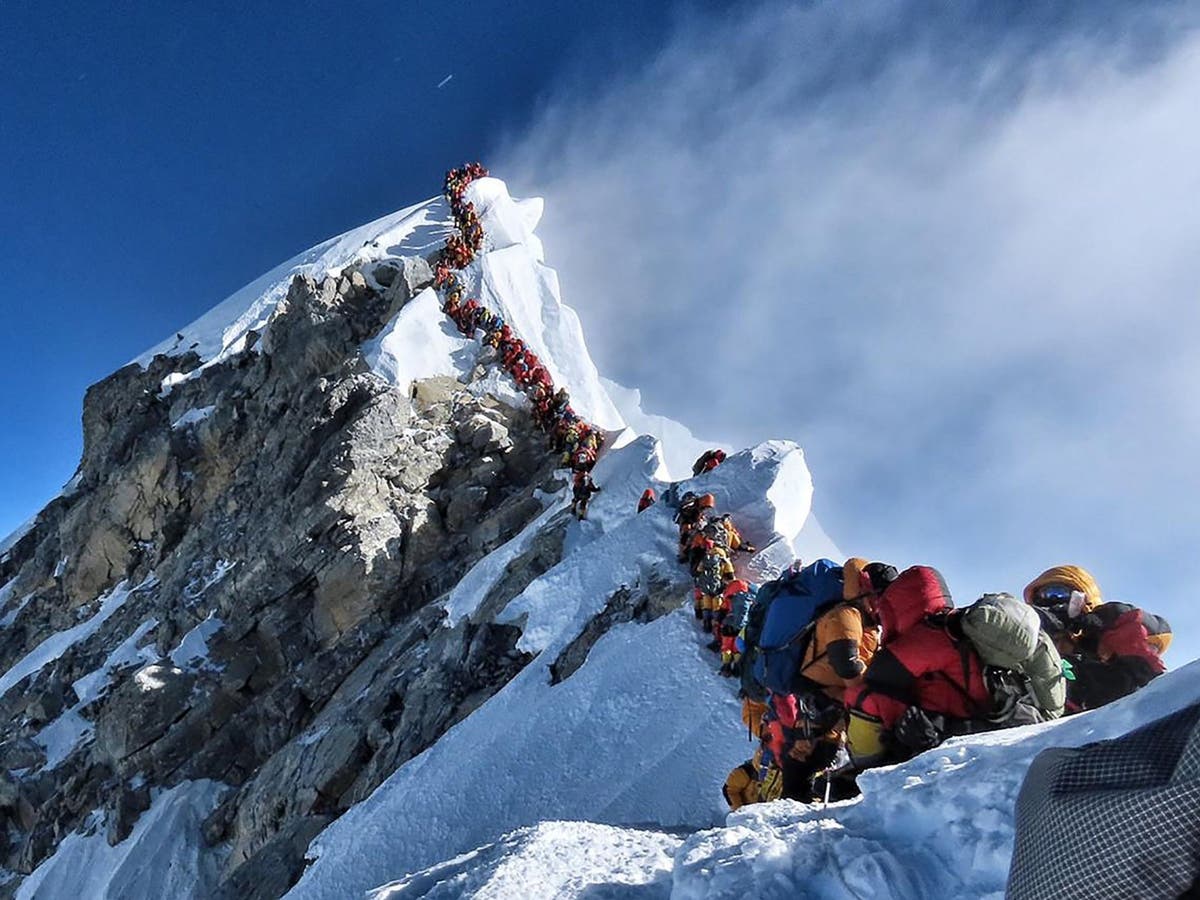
(554, 859)
(642, 734)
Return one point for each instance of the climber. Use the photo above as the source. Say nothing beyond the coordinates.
(647, 501)
(583, 459)
(708, 461)
(539, 377)
(691, 516)
(712, 574)
(561, 402)
(924, 669)
(741, 786)
(736, 602)
(724, 533)
(1112, 649)
(540, 398)
(582, 492)
(836, 653)
(513, 350)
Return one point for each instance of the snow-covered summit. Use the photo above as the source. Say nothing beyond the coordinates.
(510, 277)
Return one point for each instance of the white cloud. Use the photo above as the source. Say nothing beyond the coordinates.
(957, 262)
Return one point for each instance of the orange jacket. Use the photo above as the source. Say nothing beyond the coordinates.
(840, 650)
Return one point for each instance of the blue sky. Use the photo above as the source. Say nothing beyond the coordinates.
(949, 249)
(154, 157)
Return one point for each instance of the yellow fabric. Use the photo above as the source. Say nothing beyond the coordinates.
(843, 622)
(1159, 642)
(852, 577)
(752, 713)
(864, 738)
(1074, 577)
(741, 788)
(772, 784)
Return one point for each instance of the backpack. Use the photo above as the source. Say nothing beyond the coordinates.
(740, 605)
(711, 577)
(788, 624)
(716, 532)
(1021, 666)
(751, 686)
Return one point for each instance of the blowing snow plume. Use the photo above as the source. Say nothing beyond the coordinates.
(952, 254)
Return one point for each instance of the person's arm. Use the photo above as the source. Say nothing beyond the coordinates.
(843, 650)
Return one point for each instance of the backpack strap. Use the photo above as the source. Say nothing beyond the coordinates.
(964, 654)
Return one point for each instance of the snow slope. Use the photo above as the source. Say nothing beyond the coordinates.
(937, 826)
(163, 857)
(221, 332)
(638, 735)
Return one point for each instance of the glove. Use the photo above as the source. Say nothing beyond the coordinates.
(916, 731)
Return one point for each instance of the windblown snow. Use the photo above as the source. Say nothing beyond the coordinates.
(607, 783)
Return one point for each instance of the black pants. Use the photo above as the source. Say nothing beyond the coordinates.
(798, 774)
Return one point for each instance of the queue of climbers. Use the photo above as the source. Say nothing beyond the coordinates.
(843, 667)
(578, 441)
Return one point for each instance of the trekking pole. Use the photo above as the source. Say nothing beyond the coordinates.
(833, 767)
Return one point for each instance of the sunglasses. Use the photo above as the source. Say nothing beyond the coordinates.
(1052, 594)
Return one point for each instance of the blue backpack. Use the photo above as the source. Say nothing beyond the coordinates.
(797, 604)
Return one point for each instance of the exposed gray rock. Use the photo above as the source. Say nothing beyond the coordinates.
(142, 710)
(484, 435)
(289, 547)
(21, 753)
(125, 804)
(276, 866)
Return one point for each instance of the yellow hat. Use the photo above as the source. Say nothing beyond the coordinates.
(1074, 577)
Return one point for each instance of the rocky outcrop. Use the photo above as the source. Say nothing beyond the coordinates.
(639, 603)
(247, 567)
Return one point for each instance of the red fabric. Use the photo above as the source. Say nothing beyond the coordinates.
(918, 591)
(933, 658)
(1127, 636)
(781, 717)
(737, 586)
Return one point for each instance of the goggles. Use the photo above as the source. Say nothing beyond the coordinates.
(1052, 594)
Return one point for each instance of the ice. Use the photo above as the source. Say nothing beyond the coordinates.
(192, 652)
(163, 857)
(63, 735)
(222, 331)
(643, 733)
(420, 342)
(680, 447)
(11, 616)
(21, 530)
(555, 859)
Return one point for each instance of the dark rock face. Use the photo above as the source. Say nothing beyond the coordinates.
(249, 562)
(637, 604)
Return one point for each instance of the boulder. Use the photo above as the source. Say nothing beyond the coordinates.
(21, 753)
(142, 709)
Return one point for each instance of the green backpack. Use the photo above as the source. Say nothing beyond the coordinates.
(1022, 667)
